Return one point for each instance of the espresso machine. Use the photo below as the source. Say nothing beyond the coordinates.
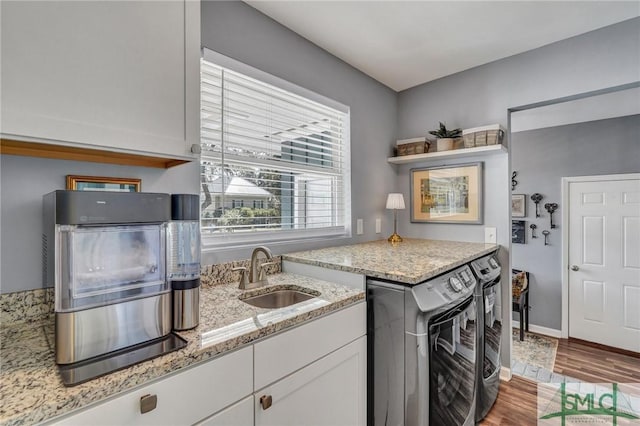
(105, 255)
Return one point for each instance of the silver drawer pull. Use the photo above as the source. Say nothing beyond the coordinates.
(148, 403)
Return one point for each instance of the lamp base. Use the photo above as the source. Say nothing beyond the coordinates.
(395, 238)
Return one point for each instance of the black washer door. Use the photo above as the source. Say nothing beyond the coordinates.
(452, 354)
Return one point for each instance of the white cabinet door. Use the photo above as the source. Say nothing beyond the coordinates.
(240, 414)
(182, 399)
(331, 391)
(116, 75)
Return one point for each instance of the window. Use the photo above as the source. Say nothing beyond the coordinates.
(274, 164)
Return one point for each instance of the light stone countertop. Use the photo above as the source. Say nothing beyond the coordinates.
(410, 262)
(31, 390)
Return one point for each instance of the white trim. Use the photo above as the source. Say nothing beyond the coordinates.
(551, 332)
(232, 241)
(505, 374)
(566, 181)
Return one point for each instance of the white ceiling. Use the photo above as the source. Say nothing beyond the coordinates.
(405, 43)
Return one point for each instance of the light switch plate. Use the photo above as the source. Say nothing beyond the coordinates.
(359, 226)
(490, 235)
(378, 225)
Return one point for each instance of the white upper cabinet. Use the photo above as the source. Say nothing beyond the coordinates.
(115, 75)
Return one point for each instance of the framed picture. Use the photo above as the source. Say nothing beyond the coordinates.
(519, 205)
(518, 231)
(97, 183)
(447, 194)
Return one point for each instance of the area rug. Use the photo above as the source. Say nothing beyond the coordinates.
(535, 350)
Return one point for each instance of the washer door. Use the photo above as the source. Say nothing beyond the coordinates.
(452, 358)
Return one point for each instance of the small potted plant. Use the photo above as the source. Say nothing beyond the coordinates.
(445, 137)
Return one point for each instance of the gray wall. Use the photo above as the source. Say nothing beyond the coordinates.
(542, 157)
(603, 58)
(23, 182)
(482, 95)
(236, 30)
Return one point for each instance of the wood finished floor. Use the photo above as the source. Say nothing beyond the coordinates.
(516, 403)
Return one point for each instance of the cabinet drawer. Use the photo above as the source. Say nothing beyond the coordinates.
(306, 344)
(182, 399)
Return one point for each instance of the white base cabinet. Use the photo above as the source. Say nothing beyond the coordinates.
(329, 392)
(314, 374)
(121, 76)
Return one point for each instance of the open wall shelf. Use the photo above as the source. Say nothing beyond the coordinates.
(444, 155)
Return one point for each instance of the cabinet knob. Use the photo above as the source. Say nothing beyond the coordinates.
(148, 403)
(266, 401)
(575, 268)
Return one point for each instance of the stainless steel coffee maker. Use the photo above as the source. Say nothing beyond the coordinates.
(184, 260)
(105, 254)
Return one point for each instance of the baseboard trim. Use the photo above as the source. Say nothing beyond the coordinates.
(505, 374)
(551, 332)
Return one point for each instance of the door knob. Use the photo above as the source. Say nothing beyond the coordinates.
(266, 401)
(574, 268)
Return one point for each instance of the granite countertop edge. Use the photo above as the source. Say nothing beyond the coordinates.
(389, 275)
(46, 406)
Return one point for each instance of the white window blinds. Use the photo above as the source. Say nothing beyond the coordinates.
(272, 161)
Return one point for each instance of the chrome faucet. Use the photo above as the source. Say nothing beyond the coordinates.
(257, 272)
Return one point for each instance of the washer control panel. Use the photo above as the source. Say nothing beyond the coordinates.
(446, 288)
(486, 268)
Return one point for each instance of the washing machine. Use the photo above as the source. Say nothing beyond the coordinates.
(489, 335)
(422, 351)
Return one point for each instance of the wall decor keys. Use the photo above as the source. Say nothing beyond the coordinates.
(536, 198)
(533, 227)
(551, 207)
(546, 234)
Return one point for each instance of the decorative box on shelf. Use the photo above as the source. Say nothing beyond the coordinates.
(485, 135)
(412, 146)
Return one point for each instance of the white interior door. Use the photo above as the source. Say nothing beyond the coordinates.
(604, 262)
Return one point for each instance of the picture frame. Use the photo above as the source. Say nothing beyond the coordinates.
(519, 205)
(99, 183)
(518, 231)
(447, 194)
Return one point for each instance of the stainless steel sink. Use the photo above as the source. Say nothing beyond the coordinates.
(279, 298)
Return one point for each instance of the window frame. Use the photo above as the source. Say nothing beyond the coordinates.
(238, 240)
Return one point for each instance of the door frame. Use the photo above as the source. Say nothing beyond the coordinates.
(566, 181)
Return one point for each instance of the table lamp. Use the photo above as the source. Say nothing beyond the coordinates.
(395, 201)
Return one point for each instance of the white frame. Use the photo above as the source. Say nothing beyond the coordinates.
(524, 205)
(232, 242)
(566, 181)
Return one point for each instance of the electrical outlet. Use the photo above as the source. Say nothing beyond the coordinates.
(378, 225)
(490, 235)
(359, 226)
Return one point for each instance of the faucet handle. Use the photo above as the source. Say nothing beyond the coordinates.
(262, 268)
(244, 278)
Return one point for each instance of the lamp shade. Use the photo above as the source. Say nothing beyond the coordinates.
(395, 201)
